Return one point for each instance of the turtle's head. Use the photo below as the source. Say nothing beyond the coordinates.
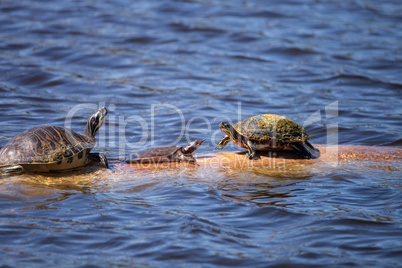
(95, 122)
(192, 146)
(226, 128)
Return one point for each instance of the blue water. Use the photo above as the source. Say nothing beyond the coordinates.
(169, 72)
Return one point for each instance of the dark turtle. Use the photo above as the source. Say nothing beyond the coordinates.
(268, 132)
(51, 148)
(167, 154)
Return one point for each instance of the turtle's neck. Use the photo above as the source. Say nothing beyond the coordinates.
(90, 129)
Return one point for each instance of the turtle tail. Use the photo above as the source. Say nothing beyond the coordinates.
(305, 149)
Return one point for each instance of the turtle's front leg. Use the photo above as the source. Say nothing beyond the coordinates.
(223, 142)
(13, 169)
(251, 152)
(100, 158)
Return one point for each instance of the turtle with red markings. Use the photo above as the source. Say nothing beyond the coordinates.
(268, 132)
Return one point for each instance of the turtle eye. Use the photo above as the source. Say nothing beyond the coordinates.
(223, 125)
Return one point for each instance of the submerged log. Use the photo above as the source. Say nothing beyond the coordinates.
(330, 156)
(228, 167)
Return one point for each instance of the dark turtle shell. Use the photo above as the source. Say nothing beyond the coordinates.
(156, 152)
(156, 155)
(45, 145)
(267, 127)
(166, 154)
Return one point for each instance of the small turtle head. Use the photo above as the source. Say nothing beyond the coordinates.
(192, 146)
(95, 122)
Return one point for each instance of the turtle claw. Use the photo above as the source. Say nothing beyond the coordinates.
(252, 156)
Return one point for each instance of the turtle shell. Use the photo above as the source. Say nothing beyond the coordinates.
(166, 154)
(157, 152)
(268, 127)
(47, 145)
(156, 155)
